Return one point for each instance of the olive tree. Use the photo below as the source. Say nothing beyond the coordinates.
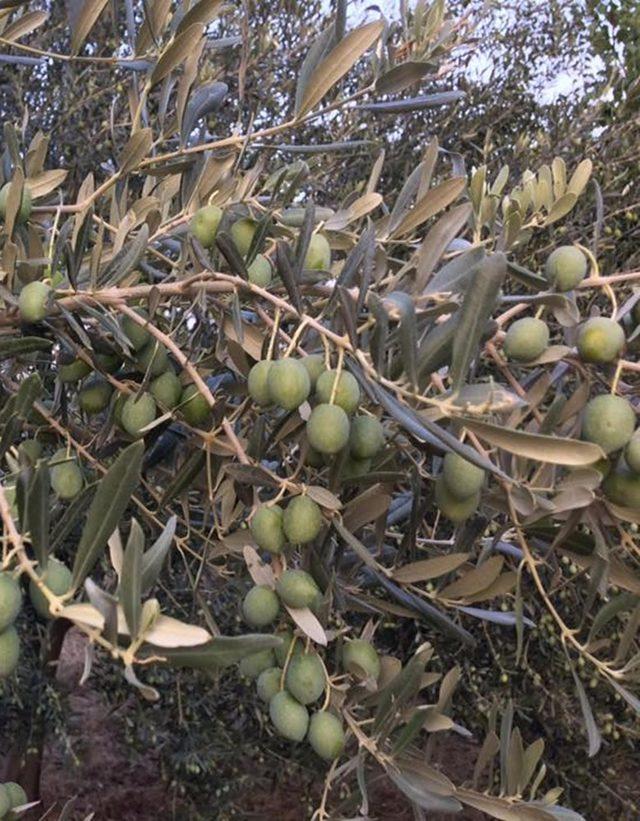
(356, 408)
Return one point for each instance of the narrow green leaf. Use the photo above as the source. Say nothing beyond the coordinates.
(437, 240)
(23, 25)
(436, 199)
(413, 103)
(202, 12)
(337, 63)
(177, 50)
(38, 513)
(318, 50)
(215, 654)
(84, 22)
(479, 302)
(506, 726)
(131, 581)
(401, 76)
(552, 449)
(593, 734)
(126, 259)
(136, 149)
(112, 497)
(154, 558)
(19, 345)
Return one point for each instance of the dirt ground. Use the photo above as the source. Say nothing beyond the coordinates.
(110, 782)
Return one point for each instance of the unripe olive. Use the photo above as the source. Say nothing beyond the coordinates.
(268, 683)
(74, 370)
(353, 469)
(456, 510)
(94, 395)
(33, 301)
(461, 477)
(302, 520)
(326, 735)
(288, 383)
(260, 271)
(166, 389)
(118, 406)
(30, 450)
(242, 232)
(289, 717)
(632, 453)
(622, 487)
(314, 458)
(366, 437)
(318, 256)
(328, 428)
(314, 363)
(359, 657)
(152, 358)
(24, 212)
(566, 267)
(108, 362)
(10, 600)
(204, 225)
(526, 339)
(17, 796)
(282, 651)
(9, 651)
(57, 577)
(297, 588)
(266, 528)
(257, 382)
(138, 335)
(137, 413)
(608, 421)
(66, 475)
(194, 406)
(600, 340)
(347, 393)
(252, 665)
(305, 678)
(260, 606)
(5, 800)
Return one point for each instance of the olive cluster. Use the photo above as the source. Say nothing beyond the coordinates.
(205, 224)
(287, 383)
(607, 420)
(12, 796)
(134, 411)
(10, 604)
(292, 678)
(57, 578)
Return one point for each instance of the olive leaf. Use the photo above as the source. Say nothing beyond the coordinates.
(215, 654)
(479, 301)
(38, 512)
(84, 21)
(336, 64)
(131, 578)
(153, 559)
(112, 496)
(24, 25)
(177, 51)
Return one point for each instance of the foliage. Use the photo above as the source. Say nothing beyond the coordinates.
(415, 470)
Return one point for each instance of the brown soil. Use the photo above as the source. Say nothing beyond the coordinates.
(100, 772)
(105, 777)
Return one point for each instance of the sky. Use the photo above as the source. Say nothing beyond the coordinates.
(563, 82)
